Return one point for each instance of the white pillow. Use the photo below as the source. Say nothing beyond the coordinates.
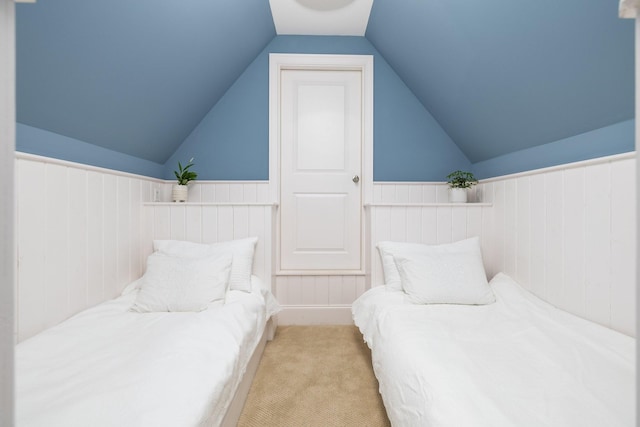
(436, 275)
(389, 269)
(390, 249)
(241, 249)
(182, 284)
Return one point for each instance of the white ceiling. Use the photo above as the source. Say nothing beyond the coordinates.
(321, 17)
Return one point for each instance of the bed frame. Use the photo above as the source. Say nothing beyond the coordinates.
(237, 404)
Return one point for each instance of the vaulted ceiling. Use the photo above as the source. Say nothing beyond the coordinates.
(498, 75)
(504, 75)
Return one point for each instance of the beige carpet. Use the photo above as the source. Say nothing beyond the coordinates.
(315, 376)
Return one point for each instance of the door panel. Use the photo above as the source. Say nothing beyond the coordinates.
(320, 143)
(321, 146)
(319, 222)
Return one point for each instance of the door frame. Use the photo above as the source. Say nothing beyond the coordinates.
(362, 63)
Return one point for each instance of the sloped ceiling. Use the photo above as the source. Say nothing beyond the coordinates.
(498, 75)
(132, 76)
(503, 75)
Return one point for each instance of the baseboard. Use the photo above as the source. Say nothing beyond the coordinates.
(314, 315)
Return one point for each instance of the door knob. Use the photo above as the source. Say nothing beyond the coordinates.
(356, 179)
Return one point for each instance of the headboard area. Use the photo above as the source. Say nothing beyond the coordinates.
(566, 233)
(212, 222)
(84, 233)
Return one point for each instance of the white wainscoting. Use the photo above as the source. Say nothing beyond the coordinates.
(78, 238)
(84, 233)
(210, 222)
(424, 224)
(421, 213)
(318, 299)
(217, 211)
(565, 233)
(221, 192)
(416, 212)
(414, 192)
(225, 210)
(568, 234)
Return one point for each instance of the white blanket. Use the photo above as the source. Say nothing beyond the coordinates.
(517, 362)
(110, 367)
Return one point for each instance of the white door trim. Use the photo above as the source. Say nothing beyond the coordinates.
(363, 63)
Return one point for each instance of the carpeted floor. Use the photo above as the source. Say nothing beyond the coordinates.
(315, 376)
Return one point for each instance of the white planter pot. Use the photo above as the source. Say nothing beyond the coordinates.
(179, 193)
(457, 195)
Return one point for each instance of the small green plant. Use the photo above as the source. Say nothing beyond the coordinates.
(185, 175)
(460, 179)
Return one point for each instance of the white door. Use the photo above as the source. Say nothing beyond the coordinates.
(321, 149)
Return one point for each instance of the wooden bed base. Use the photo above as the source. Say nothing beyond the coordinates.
(237, 404)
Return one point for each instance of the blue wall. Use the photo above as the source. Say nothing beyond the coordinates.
(232, 141)
(44, 143)
(606, 141)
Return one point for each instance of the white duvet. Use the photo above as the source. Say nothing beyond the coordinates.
(517, 362)
(110, 367)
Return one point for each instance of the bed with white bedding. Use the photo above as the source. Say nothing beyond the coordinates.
(112, 365)
(514, 361)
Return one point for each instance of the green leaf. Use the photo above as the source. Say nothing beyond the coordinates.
(461, 179)
(183, 174)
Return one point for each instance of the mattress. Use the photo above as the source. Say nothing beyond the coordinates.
(107, 366)
(517, 362)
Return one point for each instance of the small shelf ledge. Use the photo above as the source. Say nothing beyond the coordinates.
(428, 205)
(177, 204)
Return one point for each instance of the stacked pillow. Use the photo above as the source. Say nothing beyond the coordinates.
(437, 274)
(187, 276)
(242, 251)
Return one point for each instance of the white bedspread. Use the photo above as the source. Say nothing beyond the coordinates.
(517, 362)
(110, 367)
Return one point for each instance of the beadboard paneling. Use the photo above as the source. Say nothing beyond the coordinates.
(419, 224)
(565, 234)
(415, 192)
(221, 192)
(78, 234)
(327, 291)
(422, 224)
(326, 295)
(210, 223)
(30, 232)
(623, 246)
(317, 300)
(568, 236)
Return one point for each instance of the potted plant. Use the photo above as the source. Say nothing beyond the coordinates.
(180, 191)
(458, 182)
